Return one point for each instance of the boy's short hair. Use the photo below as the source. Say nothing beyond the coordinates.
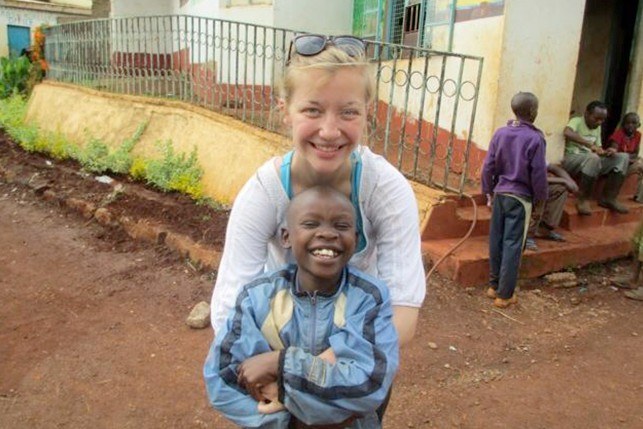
(522, 103)
(596, 104)
(629, 115)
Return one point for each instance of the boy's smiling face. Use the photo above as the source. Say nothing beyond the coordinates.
(321, 232)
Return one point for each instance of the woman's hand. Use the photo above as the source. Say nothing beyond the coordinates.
(271, 403)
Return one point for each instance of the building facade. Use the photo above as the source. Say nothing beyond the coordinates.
(336, 15)
(18, 19)
(567, 53)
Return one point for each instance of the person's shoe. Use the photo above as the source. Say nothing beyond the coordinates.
(585, 189)
(583, 207)
(614, 206)
(530, 244)
(548, 233)
(554, 236)
(504, 303)
(491, 293)
(636, 294)
(613, 183)
(624, 281)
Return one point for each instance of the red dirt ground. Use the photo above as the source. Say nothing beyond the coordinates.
(92, 330)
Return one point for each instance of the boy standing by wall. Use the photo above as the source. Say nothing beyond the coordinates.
(514, 175)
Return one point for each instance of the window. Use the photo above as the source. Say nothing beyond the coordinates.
(412, 18)
(366, 18)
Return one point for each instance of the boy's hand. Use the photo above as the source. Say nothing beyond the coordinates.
(610, 151)
(489, 200)
(271, 403)
(571, 186)
(258, 371)
(328, 355)
(598, 150)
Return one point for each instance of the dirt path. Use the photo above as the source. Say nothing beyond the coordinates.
(92, 334)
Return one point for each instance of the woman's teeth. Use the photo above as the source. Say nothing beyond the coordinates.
(326, 148)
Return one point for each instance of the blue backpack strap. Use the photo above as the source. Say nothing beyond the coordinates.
(356, 177)
(284, 173)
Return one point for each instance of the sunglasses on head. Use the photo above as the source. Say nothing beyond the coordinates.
(308, 45)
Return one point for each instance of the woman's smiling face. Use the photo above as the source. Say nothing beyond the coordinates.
(327, 116)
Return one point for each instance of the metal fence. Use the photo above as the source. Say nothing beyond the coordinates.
(422, 120)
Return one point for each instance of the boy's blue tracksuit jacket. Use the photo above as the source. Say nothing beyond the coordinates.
(271, 314)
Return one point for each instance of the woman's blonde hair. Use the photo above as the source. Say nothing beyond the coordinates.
(331, 60)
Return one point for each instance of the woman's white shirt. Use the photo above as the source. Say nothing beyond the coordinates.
(390, 222)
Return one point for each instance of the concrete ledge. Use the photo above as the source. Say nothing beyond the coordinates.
(205, 257)
(469, 264)
(229, 151)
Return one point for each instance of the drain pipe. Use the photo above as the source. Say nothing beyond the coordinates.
(462, 240)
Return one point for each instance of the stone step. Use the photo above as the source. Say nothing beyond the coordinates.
(452, 219)
(469, 264)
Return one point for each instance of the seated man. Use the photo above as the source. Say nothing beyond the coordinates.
(586, 158)
(547, 214)
(627, 139)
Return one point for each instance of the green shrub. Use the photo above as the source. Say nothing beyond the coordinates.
(138, 169)
(14, 75)
(175, 172)
(98, 158)
(12, 112)
(172, 172)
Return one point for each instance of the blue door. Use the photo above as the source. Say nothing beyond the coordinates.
(19, 39)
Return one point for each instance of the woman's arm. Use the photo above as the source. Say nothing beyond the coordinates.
(405, 321)
(252, 223)
(394, 215)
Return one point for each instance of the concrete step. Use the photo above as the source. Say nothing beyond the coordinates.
(469, 264)
(572, 221)
(452, 219)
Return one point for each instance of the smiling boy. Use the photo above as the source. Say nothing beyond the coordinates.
(312, 344)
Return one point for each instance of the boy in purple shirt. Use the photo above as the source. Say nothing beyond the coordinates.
(514, 176)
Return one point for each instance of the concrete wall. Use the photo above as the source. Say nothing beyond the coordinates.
(256, 14)
(101, 8)
(122, 8)
(85, 4)
(634, 90)
(539, 54)
(478, 37)
(229, 151)
(592, 58)
(483, 38)
(325, 17)
(23, 18)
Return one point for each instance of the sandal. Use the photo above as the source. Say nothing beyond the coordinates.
(553, 236)
(530, 244)
(636, 294)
